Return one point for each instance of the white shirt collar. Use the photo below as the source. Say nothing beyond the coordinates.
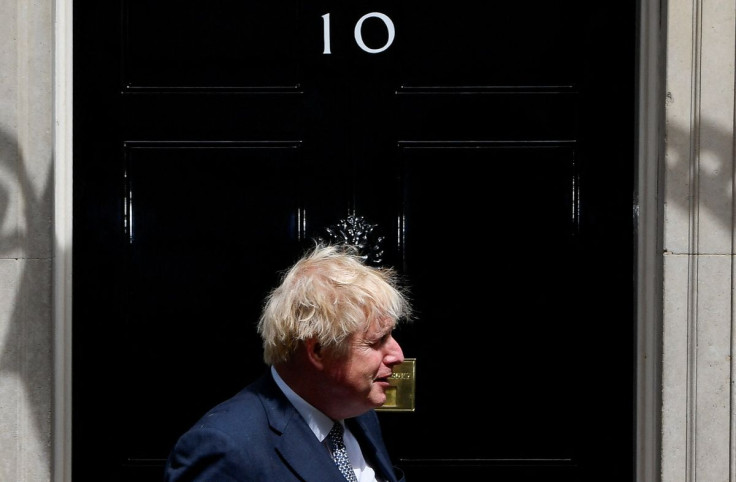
(320, 423)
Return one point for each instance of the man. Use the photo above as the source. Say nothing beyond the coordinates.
(326, 334)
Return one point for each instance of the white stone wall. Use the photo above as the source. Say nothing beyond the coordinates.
(698, 338)
(26, 246)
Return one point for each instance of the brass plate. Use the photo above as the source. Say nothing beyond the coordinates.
(400, 395)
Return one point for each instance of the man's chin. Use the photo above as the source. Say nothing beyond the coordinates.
(379, 399)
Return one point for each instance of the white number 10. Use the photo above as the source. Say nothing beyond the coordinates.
(358, 32)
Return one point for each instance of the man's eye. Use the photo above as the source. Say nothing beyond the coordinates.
(382, 340)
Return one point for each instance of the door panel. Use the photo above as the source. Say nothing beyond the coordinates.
(228, 45)
(490, 150)
(185, 274)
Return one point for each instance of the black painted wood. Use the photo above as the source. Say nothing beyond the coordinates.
(491, 144)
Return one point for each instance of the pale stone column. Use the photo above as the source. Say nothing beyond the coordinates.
(26, 238)
(698, 341)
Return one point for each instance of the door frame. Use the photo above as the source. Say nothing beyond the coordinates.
(648, 218)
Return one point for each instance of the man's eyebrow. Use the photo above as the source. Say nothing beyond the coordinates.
(385, 332)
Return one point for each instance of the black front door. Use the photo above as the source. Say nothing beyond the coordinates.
(488, 150)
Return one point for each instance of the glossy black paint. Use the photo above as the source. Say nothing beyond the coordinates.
(492, 144)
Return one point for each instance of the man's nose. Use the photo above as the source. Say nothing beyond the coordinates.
(395, 354)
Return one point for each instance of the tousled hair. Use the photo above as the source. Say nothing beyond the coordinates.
(328, 294)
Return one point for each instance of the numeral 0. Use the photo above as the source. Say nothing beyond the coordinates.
(358, 32)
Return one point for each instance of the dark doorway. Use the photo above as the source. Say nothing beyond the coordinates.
(489, 145)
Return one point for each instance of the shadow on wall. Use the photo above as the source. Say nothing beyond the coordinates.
(26, 350)
(715, 171)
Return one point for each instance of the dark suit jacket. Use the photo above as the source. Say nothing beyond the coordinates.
(258, 435)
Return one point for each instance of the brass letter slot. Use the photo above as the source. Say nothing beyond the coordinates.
(400, 395)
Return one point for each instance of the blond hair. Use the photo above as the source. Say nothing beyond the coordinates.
(328, 294)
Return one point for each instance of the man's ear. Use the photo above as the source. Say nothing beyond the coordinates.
(315, 352)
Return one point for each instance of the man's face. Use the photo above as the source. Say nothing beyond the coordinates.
(361, 377)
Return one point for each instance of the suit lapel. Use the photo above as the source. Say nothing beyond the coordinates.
(296, 443)
(308, 458)
(371, 446)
